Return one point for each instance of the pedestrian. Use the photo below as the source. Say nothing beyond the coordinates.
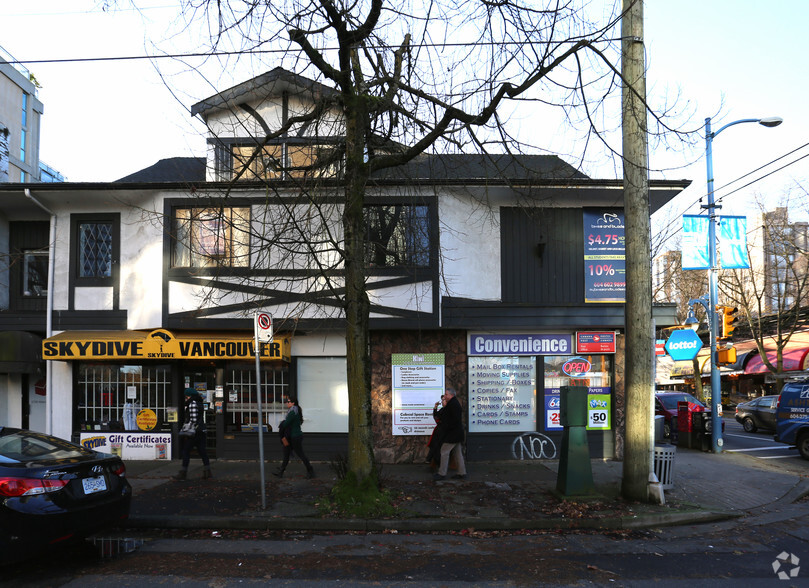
(437, 436)
(290, 429)
(194, 417)
(450, 417)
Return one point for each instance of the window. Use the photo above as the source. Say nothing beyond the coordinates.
(95, 250)
(211, 237)
(397, 235)
(109, 396)
(266, 166)
(35, 273)
(276, 162)
(96, 242)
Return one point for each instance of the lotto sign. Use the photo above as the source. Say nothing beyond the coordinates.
(598, 411)
(263, 326)
(683, 345)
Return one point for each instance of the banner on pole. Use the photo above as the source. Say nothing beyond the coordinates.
(733, 242)
(695, 254)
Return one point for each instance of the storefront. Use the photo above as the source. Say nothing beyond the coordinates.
(127, 390)
(515, 386)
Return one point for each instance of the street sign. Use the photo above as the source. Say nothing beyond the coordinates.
(263, 326)
(683, 345)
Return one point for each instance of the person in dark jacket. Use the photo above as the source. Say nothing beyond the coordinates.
(451, 419)
(290, 429)
(193, 415)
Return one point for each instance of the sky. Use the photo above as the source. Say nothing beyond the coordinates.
(724, 59)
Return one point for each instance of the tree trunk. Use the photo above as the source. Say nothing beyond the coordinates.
(357, 307)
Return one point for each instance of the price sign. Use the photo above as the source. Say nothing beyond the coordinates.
(598, 411)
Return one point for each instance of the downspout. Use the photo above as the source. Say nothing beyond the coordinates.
(48, 311)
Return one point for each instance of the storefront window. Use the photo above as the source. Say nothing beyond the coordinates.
(323, 394)
(502, 394)
(592, 371)
(114, 397)
(242, 401)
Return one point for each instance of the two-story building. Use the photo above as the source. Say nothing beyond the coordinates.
(501, 276)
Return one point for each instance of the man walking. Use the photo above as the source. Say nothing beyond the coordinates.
(451, 418)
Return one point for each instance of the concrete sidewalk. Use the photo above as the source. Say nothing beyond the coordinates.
(495, 496)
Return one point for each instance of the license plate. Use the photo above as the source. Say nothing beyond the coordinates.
(92, 485)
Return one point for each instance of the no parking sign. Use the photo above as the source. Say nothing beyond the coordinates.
(263, 326)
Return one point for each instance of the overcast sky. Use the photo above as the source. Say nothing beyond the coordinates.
(728, 59)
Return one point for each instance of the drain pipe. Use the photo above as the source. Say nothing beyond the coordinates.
(49, 311)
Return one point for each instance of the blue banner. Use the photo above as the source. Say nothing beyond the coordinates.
(733, 242)
(695, 255)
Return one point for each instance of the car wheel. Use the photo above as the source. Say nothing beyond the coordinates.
(803, 445)
(749, 425)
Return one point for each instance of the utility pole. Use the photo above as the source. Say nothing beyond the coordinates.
(638, 311)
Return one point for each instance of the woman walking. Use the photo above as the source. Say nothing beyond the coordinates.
(193, 415)
(290, 430)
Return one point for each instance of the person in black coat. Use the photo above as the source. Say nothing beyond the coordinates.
(451, 419)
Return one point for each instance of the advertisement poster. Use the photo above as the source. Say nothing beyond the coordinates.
(146, 446)
(598, 409)
(604, 257)
(595, 342)
(418, 383)
(502, 394)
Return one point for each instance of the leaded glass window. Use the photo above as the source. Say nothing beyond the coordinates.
(95, 249)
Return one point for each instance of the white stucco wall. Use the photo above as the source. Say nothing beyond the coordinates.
(470, 247)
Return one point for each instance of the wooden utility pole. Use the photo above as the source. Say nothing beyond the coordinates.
(639, 337)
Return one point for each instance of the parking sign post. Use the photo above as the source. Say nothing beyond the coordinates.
(262, 328)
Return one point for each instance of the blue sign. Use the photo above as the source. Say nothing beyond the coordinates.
(683, 345)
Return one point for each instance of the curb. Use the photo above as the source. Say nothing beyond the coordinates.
(424, 525)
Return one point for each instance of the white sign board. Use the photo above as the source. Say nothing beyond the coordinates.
(263, 326)
(418, 383)
(145, 446)
(502, 394)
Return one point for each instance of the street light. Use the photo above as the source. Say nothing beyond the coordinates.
(713, 290)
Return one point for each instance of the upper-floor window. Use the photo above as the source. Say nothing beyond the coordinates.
(95, 248)
(211, 236)
(35, 273)
(397, 235)
(284, 161)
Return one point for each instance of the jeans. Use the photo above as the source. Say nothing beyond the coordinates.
(198, 441)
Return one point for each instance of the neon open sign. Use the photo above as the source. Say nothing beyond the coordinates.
(576, 367)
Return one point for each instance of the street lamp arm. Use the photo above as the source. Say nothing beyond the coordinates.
(772, 121)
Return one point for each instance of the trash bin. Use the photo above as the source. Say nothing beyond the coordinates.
(660, 422)
(664, 465)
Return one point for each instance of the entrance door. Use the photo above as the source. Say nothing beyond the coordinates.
(203, 380)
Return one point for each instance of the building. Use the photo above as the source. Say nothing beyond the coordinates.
(20, 116)
(498, 275)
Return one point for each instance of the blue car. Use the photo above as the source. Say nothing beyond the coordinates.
(792, 417)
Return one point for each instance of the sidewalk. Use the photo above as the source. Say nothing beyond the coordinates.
(494, 496)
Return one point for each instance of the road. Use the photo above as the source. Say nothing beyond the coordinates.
(761, 446)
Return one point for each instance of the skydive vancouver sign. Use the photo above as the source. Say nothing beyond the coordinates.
(683, 345)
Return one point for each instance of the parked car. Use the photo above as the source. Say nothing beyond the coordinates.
(666, 405)
(52, 491)
(758, 413)
(792, 416)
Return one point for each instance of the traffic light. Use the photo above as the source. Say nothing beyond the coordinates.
(726, 356)
(729, 320)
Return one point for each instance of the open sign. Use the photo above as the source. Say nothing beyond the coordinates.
(576, 366)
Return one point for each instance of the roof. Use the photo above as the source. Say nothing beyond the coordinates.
(272, 83)
(174, 169)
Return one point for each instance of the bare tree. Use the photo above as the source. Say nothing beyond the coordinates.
(773, 291)
(395, 82)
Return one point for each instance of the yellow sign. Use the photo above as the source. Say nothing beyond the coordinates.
(159, 344)
(146, 419)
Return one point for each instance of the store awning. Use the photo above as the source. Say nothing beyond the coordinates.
(795, 359)
(159, 345)
(20, 352)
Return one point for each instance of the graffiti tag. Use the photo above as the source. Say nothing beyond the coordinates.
(533, 446)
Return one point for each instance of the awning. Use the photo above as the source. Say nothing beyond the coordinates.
(795, 359)
(159, 345)
(20, 352)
